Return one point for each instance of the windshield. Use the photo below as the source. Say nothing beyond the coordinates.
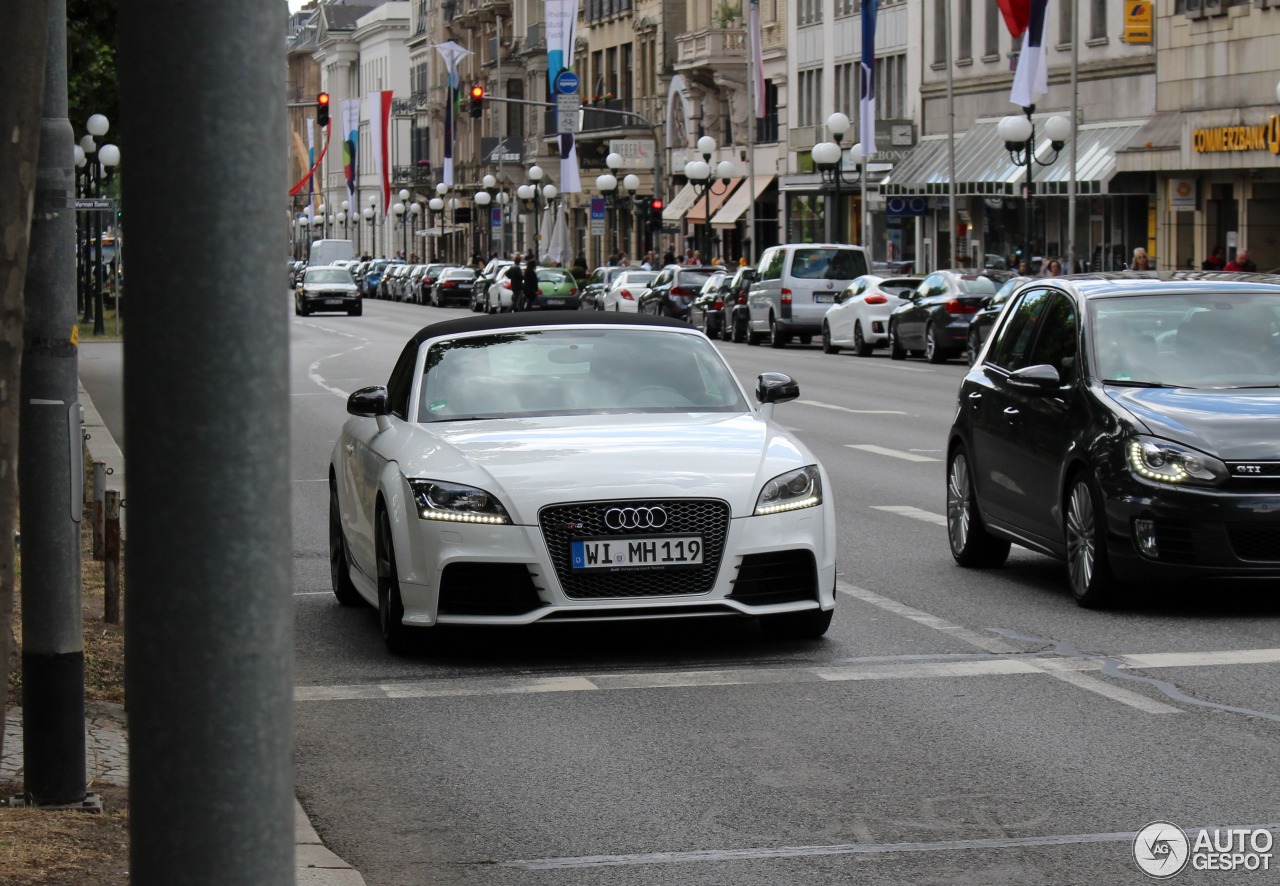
(575, 372)
(828, 264)
(459, 274)
(551, 275)
(632, 278)
(1202, 340)
(328, 275)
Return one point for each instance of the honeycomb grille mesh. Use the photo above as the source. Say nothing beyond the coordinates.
(707, 517)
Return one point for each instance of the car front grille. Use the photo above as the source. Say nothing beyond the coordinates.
(776, 577)
(487, 589)
(707, 517)
(1260, 544)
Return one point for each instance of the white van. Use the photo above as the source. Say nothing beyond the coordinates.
(795, 285)
(326, 252)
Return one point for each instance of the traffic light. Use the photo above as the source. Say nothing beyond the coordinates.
(477, 100)
(322, 109)
(655, 214)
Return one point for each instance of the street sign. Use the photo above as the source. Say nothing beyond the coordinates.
(567, 108)
(495, 217)
(597, 216)
(567, 83)
(93, 204)
(635, 153)
(670, 229)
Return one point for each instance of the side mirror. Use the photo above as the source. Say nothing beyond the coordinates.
(1041, 378)
(776, 387)
(369, 402)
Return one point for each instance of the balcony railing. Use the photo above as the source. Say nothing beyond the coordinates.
(418, 174)
(402, 107)
(711, 47)
(594, 119)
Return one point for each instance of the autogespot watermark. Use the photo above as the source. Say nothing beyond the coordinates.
(1162, 849)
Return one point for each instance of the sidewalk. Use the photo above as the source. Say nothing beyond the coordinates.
(106, 733)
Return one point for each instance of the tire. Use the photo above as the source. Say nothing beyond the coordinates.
(297, 311)
(398, 638)
(827, 346)
(860, 346)
(357, 311)
(973, 346)
(896, 351)
(808, 625)
(753, 337)
(777, 338)
(741, 327)
(806, 339)
(932, 351)
(726, 328)
(971, 545)
(1088, 567)
(339, 564)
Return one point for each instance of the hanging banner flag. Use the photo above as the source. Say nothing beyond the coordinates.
(451, 53)
(867, 69)
(1032, 78)
(562, 26)
(311, 161)
(757, 57)
(1017, 14)
(350, 139)
(379, 137)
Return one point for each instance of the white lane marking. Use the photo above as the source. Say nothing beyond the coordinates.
(914, 513)
(329, 330)
(892, 453)
(313, 371)
(312, 593)
(1050, 667)
(781, 852)
(847, 409)
(1200, 659)
(973, 638)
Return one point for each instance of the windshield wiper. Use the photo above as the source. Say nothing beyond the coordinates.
(1137, 383)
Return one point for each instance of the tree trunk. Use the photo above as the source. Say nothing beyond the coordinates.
(22, 62)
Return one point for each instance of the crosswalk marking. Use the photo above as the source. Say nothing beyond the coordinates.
(892, 453)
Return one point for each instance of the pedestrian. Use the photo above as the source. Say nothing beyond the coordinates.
(1054, 268)
(1241, 263)
(696, 260)
(515, 282)
(647, 264)
(1216, 260)
(530, 290)
(580, 264)
(1141, 262)
(668, 258)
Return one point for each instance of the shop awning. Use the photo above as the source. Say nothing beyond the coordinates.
(736, 206)
(441, 231)
(984, 168)
(697, 213)
(678, 205)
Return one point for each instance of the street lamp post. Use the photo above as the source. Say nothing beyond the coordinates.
(403, 216)
(1019, 134)
(99, 164)
(453, 226)
(343, 216)
(699, 174)
(829, 158)
(441, 191)
(436, 207)
(370, 217)
(607, 184)
(324, 226)
(535, 197)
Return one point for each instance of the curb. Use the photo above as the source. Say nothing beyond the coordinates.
(315, 864)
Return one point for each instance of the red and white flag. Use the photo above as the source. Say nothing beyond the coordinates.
(379, 139)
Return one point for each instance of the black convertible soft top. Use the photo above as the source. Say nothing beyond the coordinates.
(535, 319)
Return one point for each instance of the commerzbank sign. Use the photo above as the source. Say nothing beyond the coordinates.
(1219, 139)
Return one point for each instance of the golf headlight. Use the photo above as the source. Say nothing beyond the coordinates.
(801, 488)
(1165, 462)
(456, 504)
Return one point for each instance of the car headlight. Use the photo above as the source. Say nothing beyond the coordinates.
(801, 488)
(455, 503)
(1154, 459)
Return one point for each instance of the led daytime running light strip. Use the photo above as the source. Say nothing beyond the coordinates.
(1177, 472)
(809, 502)
(451, 517)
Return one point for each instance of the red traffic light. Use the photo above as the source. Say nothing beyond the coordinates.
(477, 92)
(322, 98)
(656, 205)
(322, 109)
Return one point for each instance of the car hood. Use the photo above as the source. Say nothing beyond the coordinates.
(328, 287)
(1235, 424)
(531, 462)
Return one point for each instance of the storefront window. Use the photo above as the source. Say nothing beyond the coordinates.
(806, 222)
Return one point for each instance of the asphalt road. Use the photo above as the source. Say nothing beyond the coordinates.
(955, 726)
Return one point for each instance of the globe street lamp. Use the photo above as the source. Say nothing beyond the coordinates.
(483, 199)
(829, 158)
(699, 174)
(370, 216)
(453, 227)
(398, 210)
(436, 206)
(535, 197)
(1019, 135)
(324, 226)
(98, 165)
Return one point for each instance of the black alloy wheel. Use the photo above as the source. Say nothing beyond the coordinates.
(397, 637)
(827, 346)
(741, 326)
(1088, 568)
(860, 346)
(971, 544)
(974, 346)
(933, 352)
(339, 564)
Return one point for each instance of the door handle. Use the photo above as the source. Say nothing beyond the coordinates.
(351, 449)
(1010, 410)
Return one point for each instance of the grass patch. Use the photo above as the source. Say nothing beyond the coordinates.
(52, 848)
(112, 326)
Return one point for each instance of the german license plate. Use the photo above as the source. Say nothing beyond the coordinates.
(555, 302)
(333, 301)
(631, 552)
(821, 299)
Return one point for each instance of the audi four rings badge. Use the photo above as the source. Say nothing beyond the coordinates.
(635, 518)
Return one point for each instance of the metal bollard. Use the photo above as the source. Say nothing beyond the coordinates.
(111, 560)
(99, 498)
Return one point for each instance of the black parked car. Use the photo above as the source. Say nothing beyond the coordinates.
(733, 323)
(707, 309)
(935, 322)
(1129, 426)
(453, 285)
(597, 285)
(674, 290)
(983, 321)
